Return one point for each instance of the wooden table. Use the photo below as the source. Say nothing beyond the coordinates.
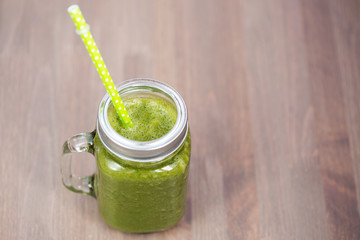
(272, 89)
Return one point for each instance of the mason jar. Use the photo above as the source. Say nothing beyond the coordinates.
(140, 186)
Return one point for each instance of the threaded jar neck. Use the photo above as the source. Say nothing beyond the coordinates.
(137, 151)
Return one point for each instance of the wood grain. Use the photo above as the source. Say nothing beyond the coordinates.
(272, 88)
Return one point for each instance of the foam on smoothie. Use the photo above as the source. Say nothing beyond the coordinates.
(152, 118)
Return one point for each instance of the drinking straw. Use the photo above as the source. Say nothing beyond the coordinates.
(83, 29)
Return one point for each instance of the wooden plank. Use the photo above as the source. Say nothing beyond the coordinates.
(330, 119)
(347, 38)
(289, 182)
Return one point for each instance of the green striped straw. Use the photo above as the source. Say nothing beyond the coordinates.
(82, 28)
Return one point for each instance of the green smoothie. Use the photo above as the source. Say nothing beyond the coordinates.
(152, 118)
(142, 197)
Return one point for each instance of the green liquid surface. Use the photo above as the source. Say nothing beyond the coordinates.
(152, 118)
(142, 197)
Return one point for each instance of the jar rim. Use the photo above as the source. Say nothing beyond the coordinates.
(143, 151)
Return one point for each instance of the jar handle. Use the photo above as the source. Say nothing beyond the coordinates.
(83, 142)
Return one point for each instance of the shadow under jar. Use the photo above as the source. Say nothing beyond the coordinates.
(140, 186)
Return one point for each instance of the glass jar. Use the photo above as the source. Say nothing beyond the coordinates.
(139, 186)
